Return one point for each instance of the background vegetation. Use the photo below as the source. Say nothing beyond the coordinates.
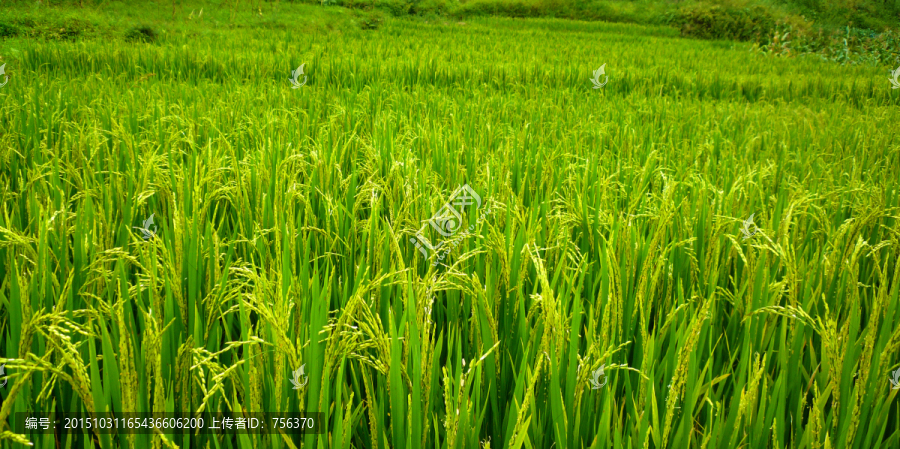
(285, 216)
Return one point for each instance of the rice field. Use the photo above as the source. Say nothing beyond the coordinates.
(606, 289)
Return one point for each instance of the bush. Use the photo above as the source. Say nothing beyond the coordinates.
(844, 46)
(66, 28)
(396, 8)
(506, 8)
(141, 34)
(370, 20)
(8, 30)
(717, 22)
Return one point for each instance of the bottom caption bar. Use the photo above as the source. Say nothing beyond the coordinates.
(169, 423)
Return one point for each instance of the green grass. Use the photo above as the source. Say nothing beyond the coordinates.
(285, 216)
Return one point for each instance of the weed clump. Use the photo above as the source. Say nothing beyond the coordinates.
(141, 34)
(55, 29)
(844, 46)
(717, 22)
(370, 20)
(8, 30)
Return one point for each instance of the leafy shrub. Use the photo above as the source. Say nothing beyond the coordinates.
(68, 29)
(429, 7)
(141, 34)
(396, 8)
(67, 33)
(370, 20)
(845, 46)
(717, 22)
(8, 30)
(507, 8)
(24, 22)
